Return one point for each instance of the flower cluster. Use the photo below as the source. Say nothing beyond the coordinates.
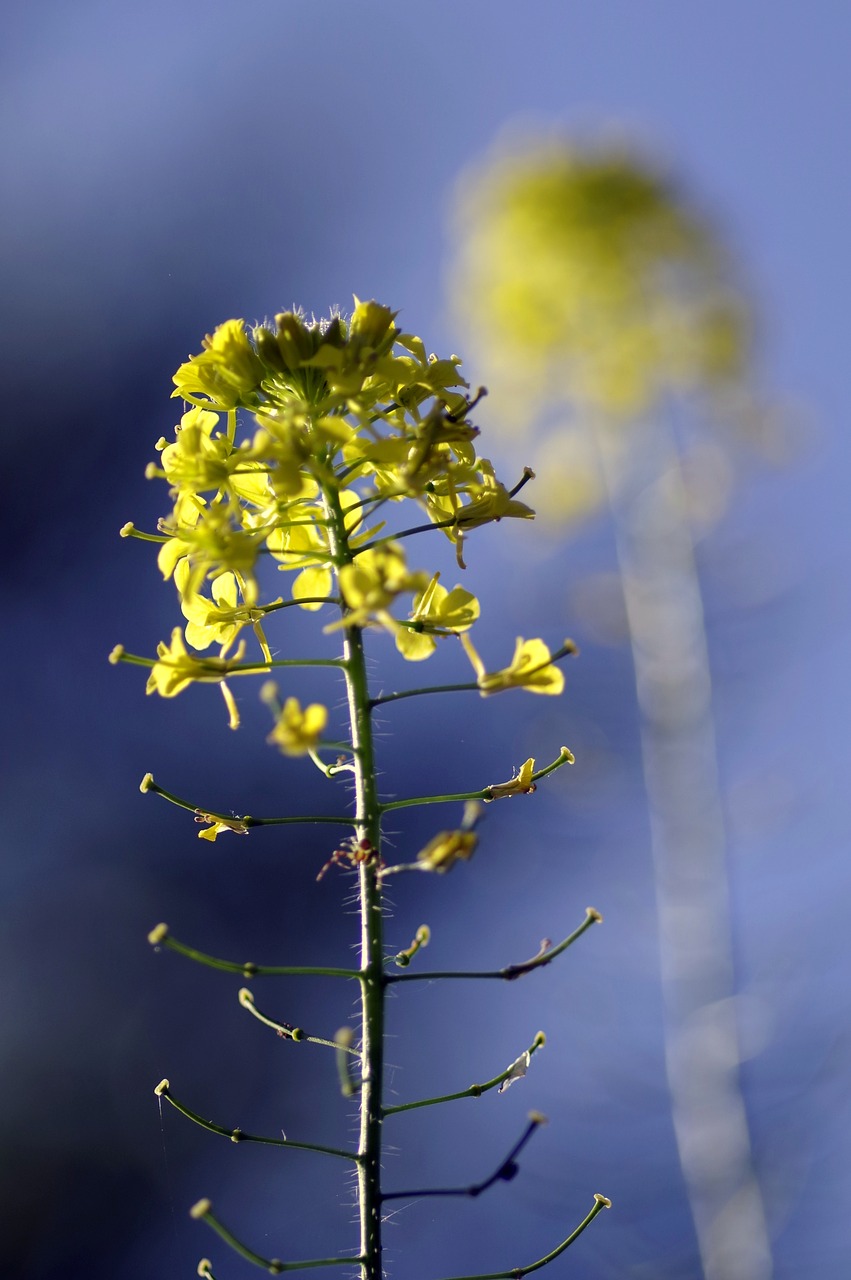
(297, 436)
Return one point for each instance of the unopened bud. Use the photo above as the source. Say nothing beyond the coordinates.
(370, 323)
(294, 341)
(267, 348)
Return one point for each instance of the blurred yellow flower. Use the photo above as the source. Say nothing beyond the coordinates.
(298, 732)
(446, 848)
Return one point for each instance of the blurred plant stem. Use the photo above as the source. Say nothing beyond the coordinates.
(664, 609)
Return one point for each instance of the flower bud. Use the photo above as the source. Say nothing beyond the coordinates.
(268, 349)
(371, 324)
(294, 341)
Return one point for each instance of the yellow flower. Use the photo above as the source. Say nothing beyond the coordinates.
(531, 668)
(490, 500)
(218, 825)
(438, 612)
(373, 582)
(227, 373)
(297, 732)
(520, 784)
(446, 848)
(216, 621)
(213, 546)
(198, 461)
(175, 670)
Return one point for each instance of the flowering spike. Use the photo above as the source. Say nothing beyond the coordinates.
(298, 441)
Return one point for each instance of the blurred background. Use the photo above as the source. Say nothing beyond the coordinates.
(167, 168)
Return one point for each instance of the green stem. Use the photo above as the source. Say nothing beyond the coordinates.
(409, 533)
(474, 1091)
(236, 1135)
(129, 530)
(292, 604)
(469, 685)
(486, 794)
(545, 956)
(600, 1203)
(148, 784)
(160, 937)
(404, 958)
(368, 828)
(285, 1029)
(203, 1212)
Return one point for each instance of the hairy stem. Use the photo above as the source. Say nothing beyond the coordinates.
(372, 977)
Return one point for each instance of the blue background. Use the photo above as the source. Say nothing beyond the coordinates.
(166, 167)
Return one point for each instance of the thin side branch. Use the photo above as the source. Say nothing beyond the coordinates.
(163, 1090)
(284, 1029)
(203, 1212)
(475, 1090)
(486, 794)
(546, 955)
(160, 937)
(148, 784)
(515, 1273)
(504, 1173)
